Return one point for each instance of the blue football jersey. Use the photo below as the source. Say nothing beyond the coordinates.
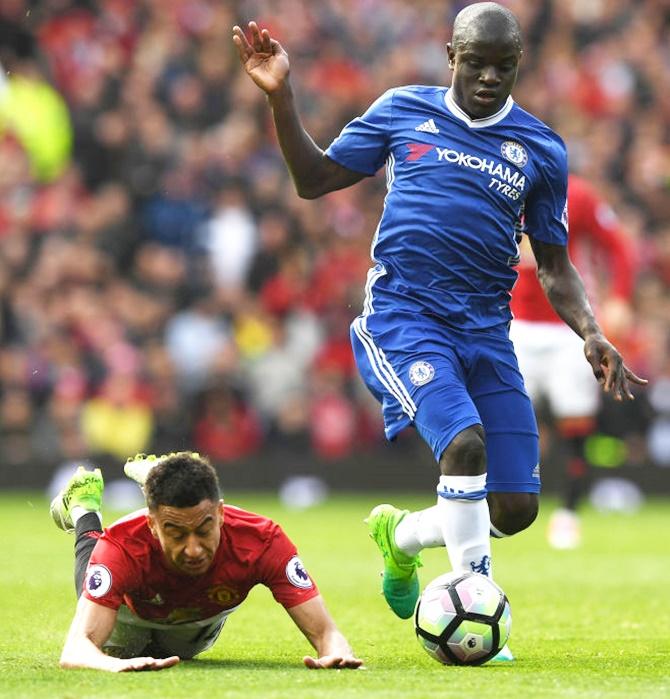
(457, 189)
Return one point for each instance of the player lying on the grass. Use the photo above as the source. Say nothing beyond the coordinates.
(159, 584)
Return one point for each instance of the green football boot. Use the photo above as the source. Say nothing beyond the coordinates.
(84, 489)
(137, 467)
(400, 580)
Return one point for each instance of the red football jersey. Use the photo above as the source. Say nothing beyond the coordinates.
(127, 567)
(593, 232)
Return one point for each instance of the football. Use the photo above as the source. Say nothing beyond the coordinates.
(462, 619)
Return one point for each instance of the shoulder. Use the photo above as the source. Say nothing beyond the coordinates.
(419, 90)
(120, 555)
(407, 95)
(130, 534)
(536, 132)
(253, 540)
(129, 524)
(248, 528)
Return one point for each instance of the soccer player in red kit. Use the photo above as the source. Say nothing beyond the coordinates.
(550, 354)
(159, 584)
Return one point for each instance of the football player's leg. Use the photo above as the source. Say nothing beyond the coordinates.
(424, 387)
(76, 509)
(574, 397)
(448, 421)
(87, 531)
(400, 581)
(462, 500)
(419, 530)
(512, 445)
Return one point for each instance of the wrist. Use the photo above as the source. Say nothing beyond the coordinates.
(282, 94)
(593, 334)
(589, 327)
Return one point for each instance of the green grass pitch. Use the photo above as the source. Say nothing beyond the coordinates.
(588, 623)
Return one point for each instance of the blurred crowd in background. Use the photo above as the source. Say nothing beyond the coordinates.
(161, 285)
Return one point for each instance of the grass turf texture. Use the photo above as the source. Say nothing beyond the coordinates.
(588, 623)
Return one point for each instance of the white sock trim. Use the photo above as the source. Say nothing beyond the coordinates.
(77, 512)
(462, 487)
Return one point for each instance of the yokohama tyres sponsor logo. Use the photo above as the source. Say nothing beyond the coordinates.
(499, 171)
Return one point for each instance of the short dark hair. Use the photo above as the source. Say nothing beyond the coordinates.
(183, 479)
(489, 16)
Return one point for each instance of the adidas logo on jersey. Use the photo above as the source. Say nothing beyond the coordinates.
(428, 127)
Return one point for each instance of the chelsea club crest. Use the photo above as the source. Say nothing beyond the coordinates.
(421, 372)
(514, 152)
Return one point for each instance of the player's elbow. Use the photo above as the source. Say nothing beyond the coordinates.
(322, 176)
(310, 190)
(308, 194)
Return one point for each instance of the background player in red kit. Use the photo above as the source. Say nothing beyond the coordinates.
(551, 356)
(159, 584)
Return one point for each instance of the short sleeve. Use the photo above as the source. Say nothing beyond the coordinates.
(281, 569)
(108, 575)
(546, 208)
(362, 146)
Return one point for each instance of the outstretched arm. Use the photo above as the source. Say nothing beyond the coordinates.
(266, 62)
(313, 619)
(565, 290)
(91, 627)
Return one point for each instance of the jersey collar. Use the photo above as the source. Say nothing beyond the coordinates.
(477, 123)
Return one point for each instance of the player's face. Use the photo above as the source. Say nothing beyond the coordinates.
(485, 71)
(189, 536)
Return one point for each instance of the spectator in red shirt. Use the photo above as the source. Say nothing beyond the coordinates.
(550, 354)
(227, 428)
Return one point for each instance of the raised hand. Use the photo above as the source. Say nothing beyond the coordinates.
(609, 368)
(263, 57)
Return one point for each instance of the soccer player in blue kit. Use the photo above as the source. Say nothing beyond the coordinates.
(463, 165)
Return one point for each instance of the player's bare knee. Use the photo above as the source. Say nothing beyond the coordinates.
(466, 454)
(512, 512)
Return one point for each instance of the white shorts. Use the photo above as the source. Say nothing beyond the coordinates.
(552, 362)
(132, 635)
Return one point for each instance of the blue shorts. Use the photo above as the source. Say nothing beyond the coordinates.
(442, 381)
